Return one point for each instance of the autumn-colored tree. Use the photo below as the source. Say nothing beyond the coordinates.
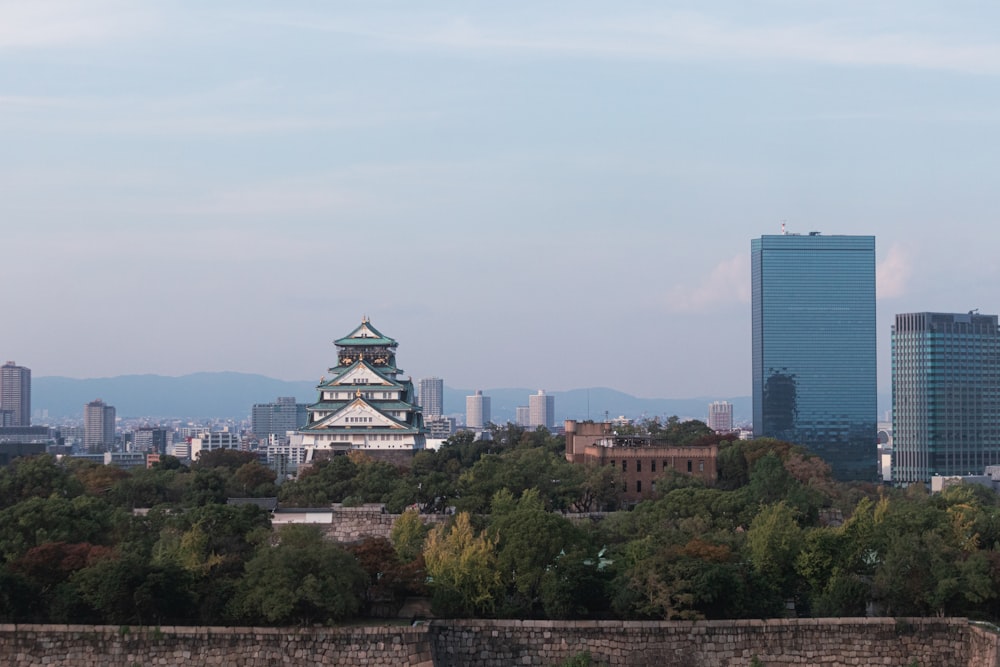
(461, 566)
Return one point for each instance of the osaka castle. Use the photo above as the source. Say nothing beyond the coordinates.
(364, 404)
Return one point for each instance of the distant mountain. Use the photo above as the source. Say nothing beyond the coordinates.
(199, 395)
(232, 395)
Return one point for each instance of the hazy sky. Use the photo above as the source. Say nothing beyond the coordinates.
(538, 194)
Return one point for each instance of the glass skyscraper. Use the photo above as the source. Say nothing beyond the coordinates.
(945, 395)
(814, 366)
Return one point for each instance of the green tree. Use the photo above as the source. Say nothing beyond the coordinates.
(36, 477)
(529, 540)
(774, 541)
(302, 580)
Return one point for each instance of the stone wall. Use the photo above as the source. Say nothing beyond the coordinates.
(350, 525)
(827, 642)
(481, 643)
(105, 646)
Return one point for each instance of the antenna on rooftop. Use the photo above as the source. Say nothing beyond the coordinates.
(783, 232)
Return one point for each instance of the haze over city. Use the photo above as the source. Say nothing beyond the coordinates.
(550, 195)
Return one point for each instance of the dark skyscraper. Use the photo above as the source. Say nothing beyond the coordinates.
(945, 395)
(814, 366)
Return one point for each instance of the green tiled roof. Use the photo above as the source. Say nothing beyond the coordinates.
(379, 371)
(354, 338)
(374, 402)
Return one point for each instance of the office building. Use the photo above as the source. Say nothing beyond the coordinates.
(212, 440)
(367, 404)
(720, 416)
(522, 415)
(149, 439)
(278, 418)
(541, 410)
(813, 346)
(15, 395)
(477, 411)
(98, 427)
(432, 397)
(945, 395)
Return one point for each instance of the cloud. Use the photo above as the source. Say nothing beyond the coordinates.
(728, 284)
(668, 36)
(892, 274)
(48, 23)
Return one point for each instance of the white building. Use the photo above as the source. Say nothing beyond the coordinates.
(211, 440)
(720, 416)
(541, 410)
(477, 410)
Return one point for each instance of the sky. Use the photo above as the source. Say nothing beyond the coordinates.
(538, 194)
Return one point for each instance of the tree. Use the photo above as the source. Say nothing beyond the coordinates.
(302, 580)
(774, 541)
(462, 571)
(36, 477)
(529, 540)
(408, 536)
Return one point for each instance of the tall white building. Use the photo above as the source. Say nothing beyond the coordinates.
(432, 397)
(477, 410)
(720, 416)
(98, 426)
(15, 394)
(541, 410)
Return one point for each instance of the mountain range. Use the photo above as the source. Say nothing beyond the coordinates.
(232, 395)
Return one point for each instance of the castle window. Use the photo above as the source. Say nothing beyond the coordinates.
(652, 466)
(638, 486)
(638, 466)
(689, 466)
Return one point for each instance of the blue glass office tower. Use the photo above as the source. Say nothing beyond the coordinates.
(945, 395)
(814, 368)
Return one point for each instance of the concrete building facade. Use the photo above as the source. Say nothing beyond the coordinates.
(541, 410)
(720, 416)
(477, 410)
(15, 395)
(98, 427)
(432, 397)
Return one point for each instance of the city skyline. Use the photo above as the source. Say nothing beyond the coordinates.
(529, 164)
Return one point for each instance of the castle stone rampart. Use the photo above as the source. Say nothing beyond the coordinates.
(846, 642)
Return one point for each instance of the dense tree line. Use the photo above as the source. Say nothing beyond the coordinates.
(775, 533)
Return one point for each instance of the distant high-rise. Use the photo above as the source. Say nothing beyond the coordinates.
(813, 331)
(945, 395)
(720, 416)
(541, 410)
(277, 418)
(150, 439)
(477, 410)
(522, 415)
(432, 397)
(15, 394)
(98, 427)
